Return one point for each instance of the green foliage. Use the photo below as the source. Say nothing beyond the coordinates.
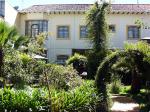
(140, 46)
(139, 22)
(125, 90)
(115, 87)
(97, 28)
(103, 73)
(13, 69)
(82, 99)
(36, 45)
(61, 77)
(79, 62)
(77, 58)
(22, 101)
(25, 58)
(143, 64)
(9, 38)
(7, 33)
(142, 99)
(97, 25)
(135, 55)
(103, 77)
(21, 69)
(94, 59)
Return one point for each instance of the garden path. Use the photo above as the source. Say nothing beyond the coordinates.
(124, 104)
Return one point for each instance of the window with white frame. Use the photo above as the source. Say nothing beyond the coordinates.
(34, 27)
(63, 32)
(133, 32)
(83, 32)
(61, 59)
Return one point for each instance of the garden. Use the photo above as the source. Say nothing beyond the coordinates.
(28, 84)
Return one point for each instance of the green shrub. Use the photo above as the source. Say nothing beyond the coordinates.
(25, 58)
(94, 59)
(82, 99)
(61, 77)
(13, 68)
(115, 87)
(21, 100)
(79, 62)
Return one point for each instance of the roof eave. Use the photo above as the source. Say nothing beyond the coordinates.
(56, 12)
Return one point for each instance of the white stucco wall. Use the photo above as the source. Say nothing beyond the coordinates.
(64, 47)
(121, 21)
(10, 14)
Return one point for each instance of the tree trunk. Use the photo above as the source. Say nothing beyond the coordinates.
(135, 85)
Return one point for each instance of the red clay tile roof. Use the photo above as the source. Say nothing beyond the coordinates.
(84, 7)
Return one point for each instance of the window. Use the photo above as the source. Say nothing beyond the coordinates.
(2, 8)
(133, 32)
(63, 32)
(34, 30)
(83, 32)
(112, 28)
(34, 27)
(61, 59)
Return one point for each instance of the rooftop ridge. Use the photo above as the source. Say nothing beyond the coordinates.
(85, 4)
(79, 7)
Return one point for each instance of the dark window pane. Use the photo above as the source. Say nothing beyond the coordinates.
(133, 32)
(2, 8)
(63, 32)
(61, 59)
(83, 32)
(34, 27)
(35, 30)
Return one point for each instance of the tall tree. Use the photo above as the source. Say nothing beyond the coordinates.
(97, 28)
(8, 37)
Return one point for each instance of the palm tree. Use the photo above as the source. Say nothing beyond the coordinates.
(8, 37)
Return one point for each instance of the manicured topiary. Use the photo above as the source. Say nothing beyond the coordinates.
(79, 62)
(97, 32)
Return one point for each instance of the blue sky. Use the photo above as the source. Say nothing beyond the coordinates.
(27, 3)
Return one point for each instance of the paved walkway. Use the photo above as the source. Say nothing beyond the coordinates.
(124, 104)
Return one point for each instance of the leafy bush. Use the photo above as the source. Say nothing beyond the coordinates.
(115, 87)
(79, 62)
(61, 77)
(22, 101)
(13, 68)
(94, 59)
(82, 99)
(21, 69)
(25, 58)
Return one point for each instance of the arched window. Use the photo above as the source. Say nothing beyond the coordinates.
(34, 27)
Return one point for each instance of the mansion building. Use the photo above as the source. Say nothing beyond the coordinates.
(66, 29)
